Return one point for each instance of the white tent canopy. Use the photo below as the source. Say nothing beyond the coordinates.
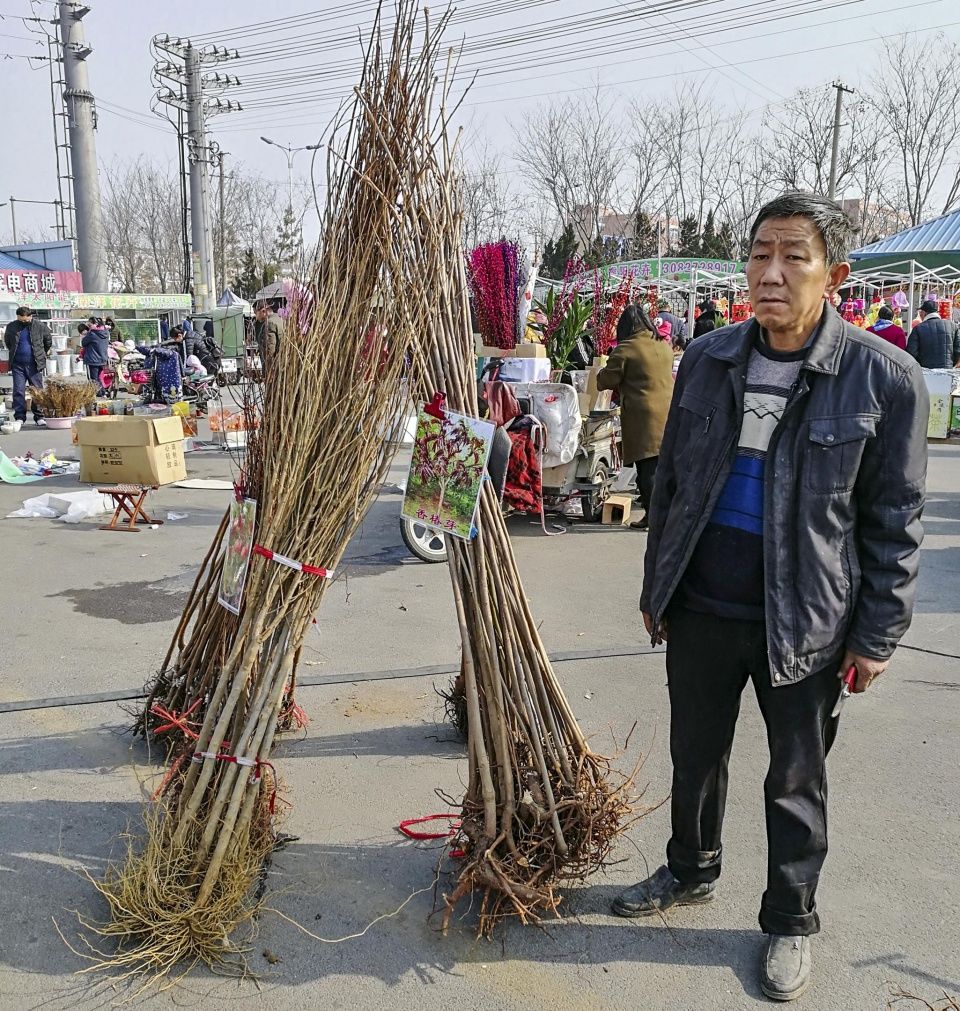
(229, 298)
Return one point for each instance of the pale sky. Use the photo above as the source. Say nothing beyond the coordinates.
(829, 39)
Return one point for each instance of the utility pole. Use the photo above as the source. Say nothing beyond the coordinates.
(197, 97)
(199, 179)
(842, 89)
(82, 124)
(221, 214)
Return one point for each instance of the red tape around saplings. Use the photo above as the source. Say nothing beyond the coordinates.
(412, 833)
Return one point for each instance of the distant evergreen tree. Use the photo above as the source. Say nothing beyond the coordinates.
(557, 253)
(688, 242)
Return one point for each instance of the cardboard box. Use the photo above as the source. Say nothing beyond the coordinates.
(520, 351)
(117, 450)
(592, 374)
(602, 400)
(526, 370)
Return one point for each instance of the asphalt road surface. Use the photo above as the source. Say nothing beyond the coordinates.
(87, 612)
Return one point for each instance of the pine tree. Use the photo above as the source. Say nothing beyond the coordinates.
(708, 239)
(688, 242)
(288, 251)
(558, 253)
(717, 243)
(253, 275)
(645, 236)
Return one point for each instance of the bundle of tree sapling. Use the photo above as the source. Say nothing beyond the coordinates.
(541, 807)
(333, 405)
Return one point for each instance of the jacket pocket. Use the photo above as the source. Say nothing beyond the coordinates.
(834, 450)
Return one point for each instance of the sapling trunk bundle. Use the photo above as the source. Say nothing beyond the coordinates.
(540, 808)
(333, 404)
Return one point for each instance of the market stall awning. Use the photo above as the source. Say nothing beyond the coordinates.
(933, 244)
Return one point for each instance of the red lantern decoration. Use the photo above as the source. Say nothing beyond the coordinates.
(945, 308)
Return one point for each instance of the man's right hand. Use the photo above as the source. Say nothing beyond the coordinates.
(648, 625)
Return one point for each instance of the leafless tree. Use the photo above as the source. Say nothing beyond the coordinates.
(918, 97)
(124, 227)
(799, 135)
(142, 213)
(486, 200)
(570, 151)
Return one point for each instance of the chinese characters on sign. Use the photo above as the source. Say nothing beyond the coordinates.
(22, 283)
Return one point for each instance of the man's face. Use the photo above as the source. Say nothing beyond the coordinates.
(262, 313)
(26, 317)
(788, 274)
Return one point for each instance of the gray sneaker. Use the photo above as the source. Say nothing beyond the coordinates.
(659, 892)
(785, 973)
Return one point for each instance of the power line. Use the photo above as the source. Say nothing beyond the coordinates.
(577, 51)
(330, 106)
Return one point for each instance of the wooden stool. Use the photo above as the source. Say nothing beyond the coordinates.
(617, 509)
(129, 499)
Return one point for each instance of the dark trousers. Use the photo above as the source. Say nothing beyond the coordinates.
(646, 473)
(24, 374)
(709, 661)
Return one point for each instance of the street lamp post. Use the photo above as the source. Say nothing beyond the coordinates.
(291, 153)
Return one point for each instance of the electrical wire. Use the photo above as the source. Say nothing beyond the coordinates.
(572, 53)
(328, 107)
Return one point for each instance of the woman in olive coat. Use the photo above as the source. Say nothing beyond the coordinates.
(640, 368)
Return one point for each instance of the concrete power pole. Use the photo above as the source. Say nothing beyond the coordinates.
(197, 149)
(196, 97)
(835, 155)
(82, 122)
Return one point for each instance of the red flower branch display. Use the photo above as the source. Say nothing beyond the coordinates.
(606, 332)
(494, 276)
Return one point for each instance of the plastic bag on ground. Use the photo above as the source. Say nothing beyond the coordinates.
(70, 507)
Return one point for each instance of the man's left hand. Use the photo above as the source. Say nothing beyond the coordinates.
(867, 670)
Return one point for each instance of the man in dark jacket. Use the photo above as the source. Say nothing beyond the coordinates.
(783, 549)
(267, 332)
(96, 344)
(934, 342)
(28, 341)
(706, 322)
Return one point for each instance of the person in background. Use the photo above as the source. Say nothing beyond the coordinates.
(707, 320)
(112, 327)
(267, 331)
(640, 368)
(783, 551)
(164, 329)
(934, 342)
(678, 328)
(177, 343)
(193, 367)
(96, 343)
(887, 329)
(28, 342)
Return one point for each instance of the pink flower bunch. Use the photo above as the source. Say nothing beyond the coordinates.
(569, 290)
(606, 331)
(493, 272)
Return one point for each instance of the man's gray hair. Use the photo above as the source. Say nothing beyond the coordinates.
(831, 220)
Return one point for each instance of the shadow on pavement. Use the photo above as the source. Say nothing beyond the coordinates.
(435, 739)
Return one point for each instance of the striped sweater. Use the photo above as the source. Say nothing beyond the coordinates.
(725, 574)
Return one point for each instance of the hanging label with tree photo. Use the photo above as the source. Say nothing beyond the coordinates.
(243, 516)
(450, 455)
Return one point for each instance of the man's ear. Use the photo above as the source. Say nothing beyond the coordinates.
(837, 274)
